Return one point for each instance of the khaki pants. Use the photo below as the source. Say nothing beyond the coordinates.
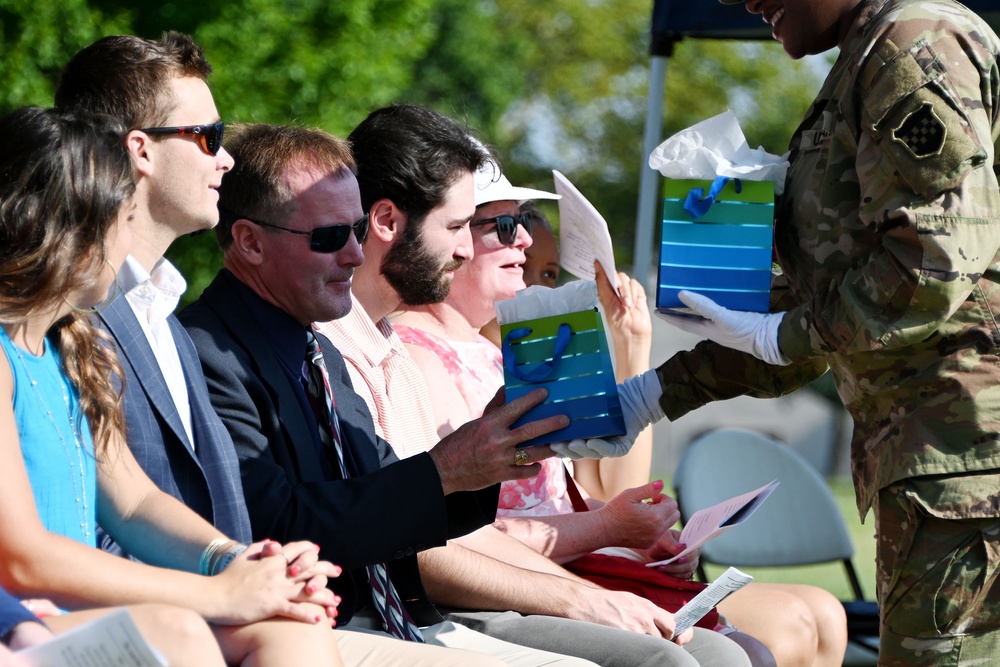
(938, 554)
(361, 644)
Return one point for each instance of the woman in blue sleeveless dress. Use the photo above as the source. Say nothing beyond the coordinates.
(65, 187)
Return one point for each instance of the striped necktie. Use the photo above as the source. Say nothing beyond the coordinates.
(395, 619)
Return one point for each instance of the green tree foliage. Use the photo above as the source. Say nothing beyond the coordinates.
(556, 84)
(473, 70)
(37, 37)
(315, 62)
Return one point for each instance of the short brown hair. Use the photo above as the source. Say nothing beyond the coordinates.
(126, 77)
(411, 155)
(257, 187)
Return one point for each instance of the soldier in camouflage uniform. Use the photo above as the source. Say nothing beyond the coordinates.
(888, 237)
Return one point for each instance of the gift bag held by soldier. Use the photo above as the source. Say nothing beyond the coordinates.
(716, 240)
(718, 216)
(555, 338)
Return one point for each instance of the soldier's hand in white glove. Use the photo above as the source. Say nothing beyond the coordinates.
(640, 399)
(754, 333)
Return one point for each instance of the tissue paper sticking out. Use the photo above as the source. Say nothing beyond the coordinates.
(717, 147)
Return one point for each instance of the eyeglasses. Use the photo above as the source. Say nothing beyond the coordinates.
(326, 239)
(507, 226)
(209, 136)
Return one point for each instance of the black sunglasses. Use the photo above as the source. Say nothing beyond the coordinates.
(209, 136)
(507, 226)
(326, 239)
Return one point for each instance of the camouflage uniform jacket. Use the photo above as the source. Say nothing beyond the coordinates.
(888, 236)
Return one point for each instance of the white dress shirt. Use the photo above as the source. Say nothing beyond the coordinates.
(153, 298)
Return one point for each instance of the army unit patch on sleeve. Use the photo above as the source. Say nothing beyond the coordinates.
(922, 133)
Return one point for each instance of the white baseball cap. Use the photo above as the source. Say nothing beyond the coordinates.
(492, 185)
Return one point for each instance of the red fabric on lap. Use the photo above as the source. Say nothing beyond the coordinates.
(622, 574)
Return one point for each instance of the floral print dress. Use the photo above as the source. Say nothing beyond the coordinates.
(477, 369)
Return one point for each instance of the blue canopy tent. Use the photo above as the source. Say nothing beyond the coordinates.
(674, 20)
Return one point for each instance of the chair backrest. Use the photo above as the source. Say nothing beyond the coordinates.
(799, 524)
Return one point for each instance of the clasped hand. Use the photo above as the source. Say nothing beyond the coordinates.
(270, 579)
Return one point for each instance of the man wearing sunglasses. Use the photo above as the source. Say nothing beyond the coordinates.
(159, 90)
(312, 467)
(415, 169)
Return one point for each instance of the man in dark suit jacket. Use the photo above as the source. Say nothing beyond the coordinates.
(286, 231)
(379, 514)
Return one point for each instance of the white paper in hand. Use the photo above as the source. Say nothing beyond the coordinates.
(110, 640)
(707, 524)
(731, 581)
(583, 235)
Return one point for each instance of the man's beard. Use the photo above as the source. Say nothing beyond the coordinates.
(406, 267)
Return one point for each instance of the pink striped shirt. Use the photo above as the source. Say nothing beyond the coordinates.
(384, 374)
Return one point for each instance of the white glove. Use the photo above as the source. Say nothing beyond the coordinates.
(640, 399)
(593, 448)
(753, 333)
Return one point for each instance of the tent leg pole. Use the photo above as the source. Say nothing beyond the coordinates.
(649, 179)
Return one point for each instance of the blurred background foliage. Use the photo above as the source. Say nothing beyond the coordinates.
(554, 84)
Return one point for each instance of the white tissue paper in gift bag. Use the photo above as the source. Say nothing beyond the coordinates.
(541, 301)
(717, 147)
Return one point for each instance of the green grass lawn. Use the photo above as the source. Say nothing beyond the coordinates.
(830, 576)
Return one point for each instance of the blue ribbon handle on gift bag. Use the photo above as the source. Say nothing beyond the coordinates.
(697, 204)
(542, 371)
